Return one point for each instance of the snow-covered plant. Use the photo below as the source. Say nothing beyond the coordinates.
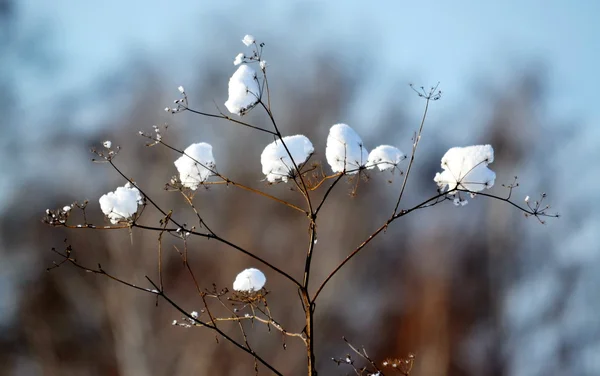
(249, 280)
(345, 151)
(466, 168)
(195, 165)
(385, 157)
(244, 90)
(275, 159)
(283, 160)
(122, 204)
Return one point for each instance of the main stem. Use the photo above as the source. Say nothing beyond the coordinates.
(310, 352)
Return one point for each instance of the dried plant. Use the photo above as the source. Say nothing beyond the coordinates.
(286, 160)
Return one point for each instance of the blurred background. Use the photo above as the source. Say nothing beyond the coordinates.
(474, 290)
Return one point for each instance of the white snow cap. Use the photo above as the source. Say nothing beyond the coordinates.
(239, 59)
(345, 149)
(107, 144)
(276, 163)
(248, 40)
(249, 280)
(466, 168)
(263, 64)
(196, 165)
(121, 204)
(244, 91)
(385, 157)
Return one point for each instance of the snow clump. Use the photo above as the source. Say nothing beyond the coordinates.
(276, 162)
(345, 150)
(250, 280)
(196, 165)
(385, 157)
(466, 168)
(238, 59)
(248, 40)
(121, 204)
(244, 91)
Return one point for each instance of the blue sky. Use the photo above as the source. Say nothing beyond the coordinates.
(453, 42)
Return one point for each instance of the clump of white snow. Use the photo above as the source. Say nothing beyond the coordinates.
(249, 280)
(196, 165)
(244, 91)
(239, 59)
(385, 157)
(107, 144)
(345, 150)
(276, 162)
(466, 168)
(121, 204)
(248, 40)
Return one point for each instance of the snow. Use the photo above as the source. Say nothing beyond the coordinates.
(263, 64)
(466, 168)
(345, 150)
(276, 162)
(107, 144)
(181, 89)
(385, 157)
(244, 91)
(460, 202)
(121, 204)
(238, 59)
(248, 40)
(196, 165)
(249, 280)
(66, 209)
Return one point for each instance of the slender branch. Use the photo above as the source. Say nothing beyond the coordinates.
(261, 193)
(427, 203)
(224, 241)
(218, 330)
(209, 236)
(428, 98)
(225, 117)
(340, 175)
(67, 257)
(228, 181)
(280, 137)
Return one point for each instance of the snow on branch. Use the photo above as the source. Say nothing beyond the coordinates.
(465, 168)
(345, 151)
(196, 165)
(276, 162)
(385, 157)
(121, 204)
(249, 280)
(244, 90)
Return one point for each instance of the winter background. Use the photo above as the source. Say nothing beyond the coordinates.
(474, 290)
